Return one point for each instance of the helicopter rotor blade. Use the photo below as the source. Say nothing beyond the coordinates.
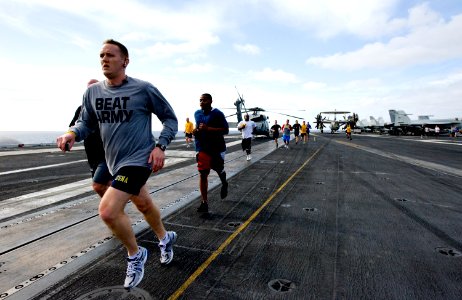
(240, 97)
(292, 116)
(302, 118)
(279, 109)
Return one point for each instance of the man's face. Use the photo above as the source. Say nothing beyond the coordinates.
(112, 61)
(205, 103)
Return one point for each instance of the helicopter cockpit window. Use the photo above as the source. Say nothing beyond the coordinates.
(259, 118)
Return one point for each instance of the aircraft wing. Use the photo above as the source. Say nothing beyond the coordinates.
(327, 121)
(335, 112)
(441, 123)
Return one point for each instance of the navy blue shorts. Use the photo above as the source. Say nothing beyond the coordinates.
(101, 174)
(131, 179)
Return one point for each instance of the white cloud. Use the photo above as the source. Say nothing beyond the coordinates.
(162, 50)
(271, 75)
(247, 48)
(331, 17)
(313, 85)
(48, 102)
(366, 84)
(430, 40)
(449, 80)
(168, 30)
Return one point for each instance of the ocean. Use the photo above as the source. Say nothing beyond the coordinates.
(10, 139)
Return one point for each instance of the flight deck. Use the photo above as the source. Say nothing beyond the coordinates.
(377, 217)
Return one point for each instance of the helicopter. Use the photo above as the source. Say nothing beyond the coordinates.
(335, 124)
(256, 115)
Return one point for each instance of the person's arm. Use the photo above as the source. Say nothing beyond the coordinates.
(221, 127)
(204, 127)
(164, 112)
(80, 130)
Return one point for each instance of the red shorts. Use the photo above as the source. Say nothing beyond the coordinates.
(206, 161)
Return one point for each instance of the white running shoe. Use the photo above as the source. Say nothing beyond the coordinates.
(166, 251)
(135, 269)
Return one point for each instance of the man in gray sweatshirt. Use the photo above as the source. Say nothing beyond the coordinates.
(122, 107)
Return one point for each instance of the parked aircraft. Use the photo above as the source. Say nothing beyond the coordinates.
(334, 123)
(401, 124)
(256, 115)
(372, 126)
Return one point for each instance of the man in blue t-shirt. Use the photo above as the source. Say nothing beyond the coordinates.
(211, 126)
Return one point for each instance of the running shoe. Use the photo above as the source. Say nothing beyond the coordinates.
(135, 269)
(166, 251)
(203, 208)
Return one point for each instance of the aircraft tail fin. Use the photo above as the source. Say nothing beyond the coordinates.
(399, 116)
(373, 120)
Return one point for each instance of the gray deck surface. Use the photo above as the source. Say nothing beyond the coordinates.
(377, 217)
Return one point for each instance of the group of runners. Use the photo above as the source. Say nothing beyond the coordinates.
(301, 132)
(114, 121)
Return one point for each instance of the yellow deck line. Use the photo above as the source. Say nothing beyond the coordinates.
(241, 228)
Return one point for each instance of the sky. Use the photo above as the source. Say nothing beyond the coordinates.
(294, 57)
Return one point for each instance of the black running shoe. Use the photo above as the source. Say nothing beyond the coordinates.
(203, 208)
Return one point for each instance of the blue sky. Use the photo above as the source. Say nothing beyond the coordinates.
(288, 56)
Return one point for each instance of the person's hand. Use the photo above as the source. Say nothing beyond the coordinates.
(156, 159)
(203, 127)
(66, 141)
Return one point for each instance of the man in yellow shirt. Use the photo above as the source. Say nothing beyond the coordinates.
(188, 132)
(348, 131)
(303, 132)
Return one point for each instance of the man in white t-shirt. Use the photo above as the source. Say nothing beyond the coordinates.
(246, 127)
(437, 131)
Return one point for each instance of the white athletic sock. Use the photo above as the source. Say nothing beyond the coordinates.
(135, 255)
(164, 240)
